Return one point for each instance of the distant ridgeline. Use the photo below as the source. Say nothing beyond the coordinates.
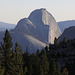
(66, 24)
(4, 26)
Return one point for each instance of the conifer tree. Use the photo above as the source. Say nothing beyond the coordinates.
(6, 50)
(46, 48)
(37, 65)
(45, 64)
(58, 70)
(50, 46)
(1, 70)
(65, 72)
(1, 59)
(52, 67)
(25, 71)
(18, 60)
(64, 43)
(64, 40)
(37, 53)
(55, 42)
(25, 59)
(41, 72)
(34, 65)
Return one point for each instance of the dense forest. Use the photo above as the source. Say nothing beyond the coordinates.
(45, 62)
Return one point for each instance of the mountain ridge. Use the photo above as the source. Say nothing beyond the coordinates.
(69, 33)
(36, 31)
(4, 26)
(66, 24)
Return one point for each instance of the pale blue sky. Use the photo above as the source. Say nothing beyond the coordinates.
(11, 11)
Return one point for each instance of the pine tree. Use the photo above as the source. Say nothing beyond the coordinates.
(55, 42)
(1, 70)
(64, 43)
(25, 59)
(60, 43)
(37, 65)
(34, 65)
(45, 64)
(41, 72)
(18, 60)
(65, 72)
(37, 53)
(6, 50)
(25, 71)
(46, 48)
(64, 40)
(58, 70)
(52, 67)
(1, 59)
(50, 46)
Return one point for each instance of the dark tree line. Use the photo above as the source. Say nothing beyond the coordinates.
(14, 62)
(63, 50)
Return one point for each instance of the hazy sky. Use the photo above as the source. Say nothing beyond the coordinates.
(11, 11)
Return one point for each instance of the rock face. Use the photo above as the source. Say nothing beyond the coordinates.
(68, 33)
(66, 24)
(45, 23)
(36, 31)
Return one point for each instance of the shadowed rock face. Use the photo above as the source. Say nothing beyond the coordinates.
(36, 31)
(68, 33)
